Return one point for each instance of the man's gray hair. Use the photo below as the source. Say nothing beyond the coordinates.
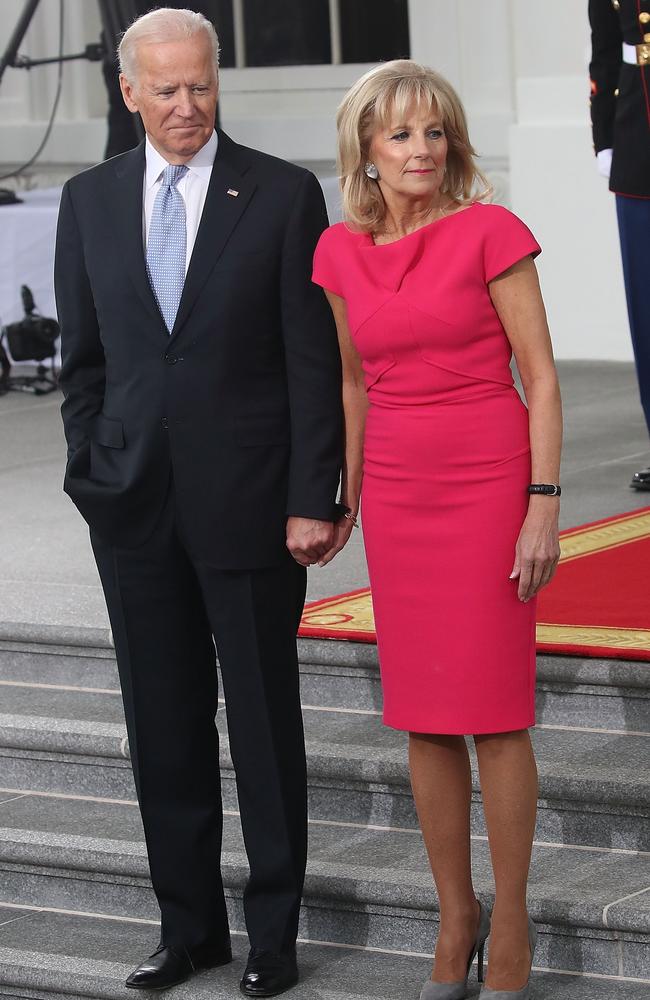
(166, 24)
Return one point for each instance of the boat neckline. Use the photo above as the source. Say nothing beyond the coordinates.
(370, 243)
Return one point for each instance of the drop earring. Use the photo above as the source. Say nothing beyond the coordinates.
(371, 171)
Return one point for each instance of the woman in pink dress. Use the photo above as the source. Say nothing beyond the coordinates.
(433, 290)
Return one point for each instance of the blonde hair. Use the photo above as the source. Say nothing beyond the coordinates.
(390, 90)
(165, 24)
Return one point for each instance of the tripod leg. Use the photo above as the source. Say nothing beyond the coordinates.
(19, 33)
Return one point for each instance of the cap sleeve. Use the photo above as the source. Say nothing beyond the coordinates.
(507, 240)
(325, 271)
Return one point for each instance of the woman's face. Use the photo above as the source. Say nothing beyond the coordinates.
(410, 155)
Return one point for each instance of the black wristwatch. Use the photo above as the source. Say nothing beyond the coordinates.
(546, 489)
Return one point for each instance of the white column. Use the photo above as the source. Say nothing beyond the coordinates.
(469, 42)
(435, 36)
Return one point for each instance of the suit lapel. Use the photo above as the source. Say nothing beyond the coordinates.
(221, 213)
(127, 217)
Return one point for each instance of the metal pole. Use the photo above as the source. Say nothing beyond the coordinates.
(335, 34)
(20, 31)
(239, 29)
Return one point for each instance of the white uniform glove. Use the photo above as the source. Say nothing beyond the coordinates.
(604, 162)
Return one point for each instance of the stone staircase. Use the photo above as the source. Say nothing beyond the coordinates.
(76, 907)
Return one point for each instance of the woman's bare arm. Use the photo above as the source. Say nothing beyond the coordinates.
(355, 405)
(518, 301)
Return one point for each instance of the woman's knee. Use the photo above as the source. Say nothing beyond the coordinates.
(489, 745)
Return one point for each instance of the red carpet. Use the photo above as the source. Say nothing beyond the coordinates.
(598, 603)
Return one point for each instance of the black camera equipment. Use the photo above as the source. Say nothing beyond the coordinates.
(116, 16)
(32, 339)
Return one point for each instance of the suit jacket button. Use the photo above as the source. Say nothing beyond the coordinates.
(171, 359)
(165, 423)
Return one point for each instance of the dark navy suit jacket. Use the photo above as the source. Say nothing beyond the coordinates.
(240, 408)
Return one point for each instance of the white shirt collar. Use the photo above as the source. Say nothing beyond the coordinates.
(200, 164)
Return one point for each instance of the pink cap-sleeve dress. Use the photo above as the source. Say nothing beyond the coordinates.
(446, 466)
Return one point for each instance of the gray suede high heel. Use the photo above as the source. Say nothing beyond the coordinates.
(458, 991)
(524, 992)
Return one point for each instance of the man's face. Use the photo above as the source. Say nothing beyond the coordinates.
(175, 91)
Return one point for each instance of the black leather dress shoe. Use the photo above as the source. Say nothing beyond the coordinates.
(168, 967)
(268, 973)
(641, 480)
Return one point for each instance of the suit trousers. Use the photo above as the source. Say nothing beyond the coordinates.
(165, 606)
(634, 231)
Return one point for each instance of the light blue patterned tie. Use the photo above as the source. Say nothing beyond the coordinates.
(167, 244)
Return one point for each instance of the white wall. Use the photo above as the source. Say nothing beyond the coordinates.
(554, 185)
(469, 42)
(521, 69)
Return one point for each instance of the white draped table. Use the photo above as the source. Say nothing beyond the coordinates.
(27, 233)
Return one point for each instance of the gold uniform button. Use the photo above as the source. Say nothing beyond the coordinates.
(616, 5)
(646, 37)
(644, 17)
(616, 92)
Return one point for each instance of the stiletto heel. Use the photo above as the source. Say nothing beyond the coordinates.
(524, 992)
(458, 991)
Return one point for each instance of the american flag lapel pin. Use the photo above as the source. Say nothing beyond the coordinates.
(232, 192)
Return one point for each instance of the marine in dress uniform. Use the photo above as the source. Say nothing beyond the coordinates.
(620, 116)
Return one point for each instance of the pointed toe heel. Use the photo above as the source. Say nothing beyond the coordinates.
(524, 992)
(444, 991)
(458, 991)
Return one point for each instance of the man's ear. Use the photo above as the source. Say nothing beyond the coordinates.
(128, 93)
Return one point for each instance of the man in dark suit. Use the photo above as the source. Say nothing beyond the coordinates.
(620, 115)
(203, 416)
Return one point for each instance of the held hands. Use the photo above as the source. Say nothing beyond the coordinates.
(308, 540)
(342, 531)
(538, 548)
(312, 541)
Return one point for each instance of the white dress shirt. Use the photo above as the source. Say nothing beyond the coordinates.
(193, 188)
